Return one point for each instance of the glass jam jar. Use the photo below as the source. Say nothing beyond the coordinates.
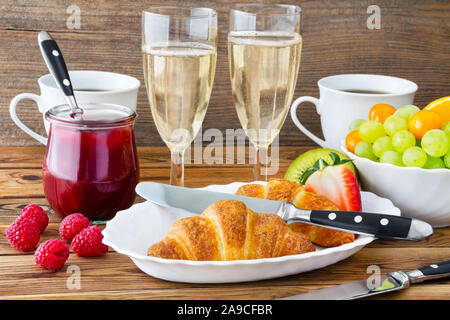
(91, 165)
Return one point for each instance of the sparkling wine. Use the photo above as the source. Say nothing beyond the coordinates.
(263, 69)
(179, 79)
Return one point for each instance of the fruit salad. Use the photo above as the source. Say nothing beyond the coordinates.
(329, 173)
(406, 136)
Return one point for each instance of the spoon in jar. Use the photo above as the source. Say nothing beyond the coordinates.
(55, 63)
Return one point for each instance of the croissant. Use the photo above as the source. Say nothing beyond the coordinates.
(228, 230)
(284, 190)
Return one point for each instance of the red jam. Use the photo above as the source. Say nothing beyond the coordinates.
(91, 170)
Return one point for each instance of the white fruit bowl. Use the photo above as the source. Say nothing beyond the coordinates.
(419, 193)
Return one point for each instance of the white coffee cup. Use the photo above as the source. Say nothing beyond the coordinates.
(338, 108)
(107, 87)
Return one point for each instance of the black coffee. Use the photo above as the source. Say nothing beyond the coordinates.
(363, 91)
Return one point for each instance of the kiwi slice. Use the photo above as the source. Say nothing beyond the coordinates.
(309, 158)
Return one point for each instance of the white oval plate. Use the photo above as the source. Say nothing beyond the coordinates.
(132, 231)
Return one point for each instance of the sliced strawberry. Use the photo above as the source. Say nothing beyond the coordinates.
(334, 181)
(338, 184)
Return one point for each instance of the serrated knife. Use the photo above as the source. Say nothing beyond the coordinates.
(374, 224)
(393, 281)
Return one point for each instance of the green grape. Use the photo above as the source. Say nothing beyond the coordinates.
(434, 163)
(414, 157)
(363, 149)
(446, 128)
(406, 112)
(447, 160)
(355, 124)
(392, 157)
(371, 130)
(393, 124)
(381, 145)
(403, 140)
(436, 143)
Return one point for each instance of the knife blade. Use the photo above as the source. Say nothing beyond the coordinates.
(374, 224)
(393, 281)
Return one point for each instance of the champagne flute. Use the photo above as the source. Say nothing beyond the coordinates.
(179, 48)
(264, 51)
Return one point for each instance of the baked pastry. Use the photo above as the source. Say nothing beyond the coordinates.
(284, 190)
(228, 230)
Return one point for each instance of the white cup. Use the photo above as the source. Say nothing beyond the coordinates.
(114, 88)
(338, 108)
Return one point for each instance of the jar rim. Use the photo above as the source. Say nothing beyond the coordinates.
(60, 115)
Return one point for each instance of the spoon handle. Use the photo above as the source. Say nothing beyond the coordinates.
(58, 69)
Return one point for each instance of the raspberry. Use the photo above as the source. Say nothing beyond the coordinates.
(23, 234)
(71, 225)
(52, 254)
(35, 213)
(88, 242)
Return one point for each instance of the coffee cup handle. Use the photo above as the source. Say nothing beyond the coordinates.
(18, 122)
(308, 133)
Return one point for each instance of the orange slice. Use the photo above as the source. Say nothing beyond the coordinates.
(441, 107)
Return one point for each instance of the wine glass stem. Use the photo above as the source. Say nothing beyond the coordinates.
(177, 168)
(261, 163)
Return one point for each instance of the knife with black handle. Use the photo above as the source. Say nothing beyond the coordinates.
(381, 225)
(433, 271)
(374, 224)
(392, 281)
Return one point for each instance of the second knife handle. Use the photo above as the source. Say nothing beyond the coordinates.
(437, 269)
(380, 225)
(430, 272)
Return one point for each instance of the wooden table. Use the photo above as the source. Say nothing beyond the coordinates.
(114, 276)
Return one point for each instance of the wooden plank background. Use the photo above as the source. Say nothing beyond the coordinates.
(413, 42)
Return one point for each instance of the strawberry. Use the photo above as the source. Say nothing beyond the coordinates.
(336, 182)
